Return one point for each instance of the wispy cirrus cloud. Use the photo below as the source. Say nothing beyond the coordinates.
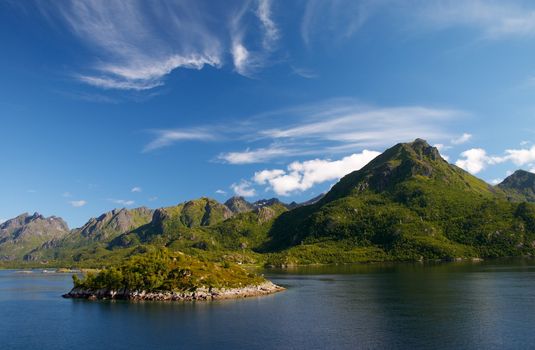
(259, 155)
(248, 59)
(168, 137)
(319, 129)
(137, 44)
(493, 19)
(461, 139)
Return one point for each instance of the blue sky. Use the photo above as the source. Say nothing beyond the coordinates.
(107, 104)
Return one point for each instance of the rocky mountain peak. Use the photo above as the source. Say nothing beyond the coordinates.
(519, 186)
(238, 204)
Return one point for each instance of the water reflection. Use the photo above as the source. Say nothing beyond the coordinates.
(487, 305)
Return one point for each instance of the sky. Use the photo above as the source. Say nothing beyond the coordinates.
(109, 104)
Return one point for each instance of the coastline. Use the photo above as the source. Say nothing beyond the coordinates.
(261, 289)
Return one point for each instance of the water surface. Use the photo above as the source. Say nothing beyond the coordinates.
(489, 305)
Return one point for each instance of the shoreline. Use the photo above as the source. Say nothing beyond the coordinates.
(264, 288)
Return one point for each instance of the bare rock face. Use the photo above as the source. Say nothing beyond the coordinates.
(114, 223)
(239, 205)
(25, 233)
(265, 214)
(207, 294)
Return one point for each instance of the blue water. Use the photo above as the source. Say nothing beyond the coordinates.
(489, 305)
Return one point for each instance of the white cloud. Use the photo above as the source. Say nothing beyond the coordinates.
(259, 155)
(123, 202)
(495, 181)
(332, 21)
(301, 176)
(271, 31)
(221, 192)
(347, 121)
(441, 147)
(248, 60)
(66, 194)
(78, 204)
(461, 139)
(168, 137)
(241, 57)
(532, 170)
(135, 44)
(333, 126)
(243, 189)
(520, 156)
(304, 73)
(496, 19)
(476, 159)
(136, 189)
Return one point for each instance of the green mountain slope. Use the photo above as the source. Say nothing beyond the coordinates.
(406, 204)
(232, 238)
(520, 186)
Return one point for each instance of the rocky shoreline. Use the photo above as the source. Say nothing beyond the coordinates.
(264, 288)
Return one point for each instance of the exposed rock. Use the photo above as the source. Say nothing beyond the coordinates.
(198, 294)
(22, 234)
(114, 223)
(239, 205)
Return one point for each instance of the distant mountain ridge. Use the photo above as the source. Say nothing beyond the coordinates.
(519, 186)
(26, 232)
(53, 236)
(406, 204)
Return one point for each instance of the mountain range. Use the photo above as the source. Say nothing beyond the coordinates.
(406, 204)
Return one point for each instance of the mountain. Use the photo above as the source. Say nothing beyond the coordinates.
(199, 212)
(406, 204)
(93, 234)
(519, 186)
(311, 201)
(113, 223)
(239, 205)
(26, 232)
(177, 222)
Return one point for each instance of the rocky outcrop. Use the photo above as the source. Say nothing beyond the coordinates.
(239, 205)
(264, 288)
(21, 235)
(114, 223)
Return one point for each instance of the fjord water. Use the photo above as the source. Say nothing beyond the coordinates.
(488, 305)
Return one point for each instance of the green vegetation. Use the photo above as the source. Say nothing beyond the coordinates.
(162, 270)
(408, 204)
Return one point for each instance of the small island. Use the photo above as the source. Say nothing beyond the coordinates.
(170, 276)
